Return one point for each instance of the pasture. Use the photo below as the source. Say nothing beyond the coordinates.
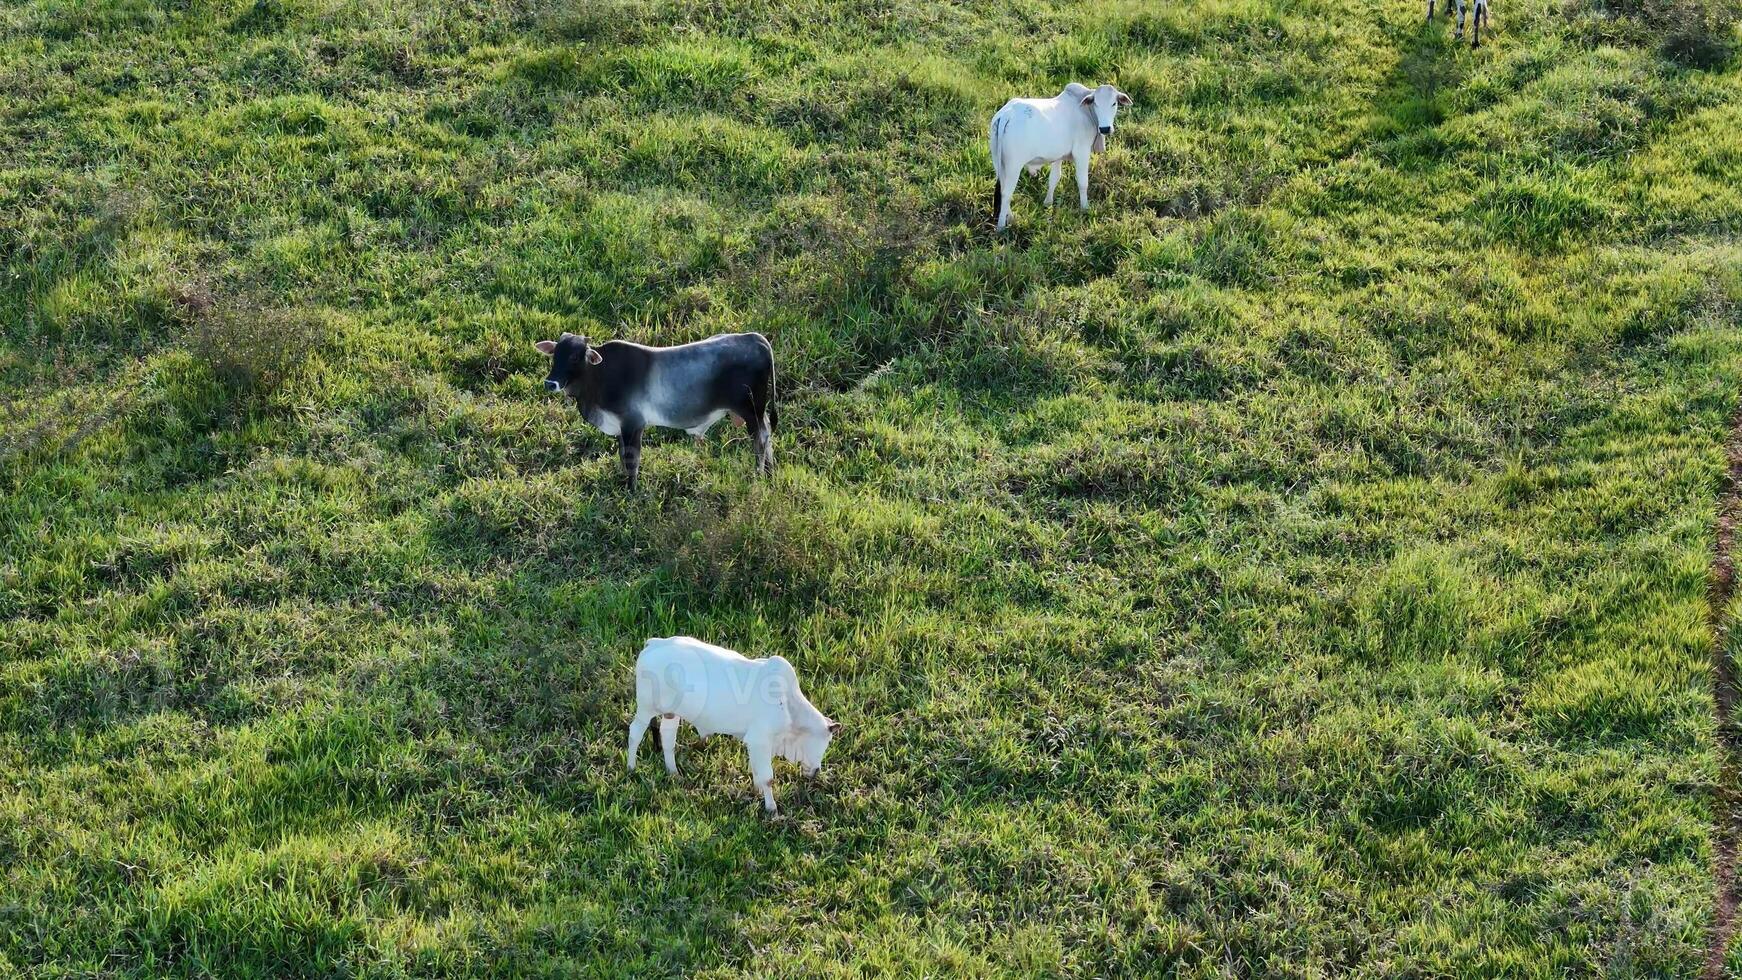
(1294, 566)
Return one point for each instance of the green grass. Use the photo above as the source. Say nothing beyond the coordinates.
(1293, 567)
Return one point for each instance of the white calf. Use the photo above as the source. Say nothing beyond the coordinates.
(1028, 133)
(1480, 19)
(719, 691)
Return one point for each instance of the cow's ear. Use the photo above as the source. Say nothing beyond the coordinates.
(834, 728)
(545, 346)
(1123, 98)
(593, 356)
(1089, 99)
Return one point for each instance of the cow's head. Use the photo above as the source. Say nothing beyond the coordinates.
(566, 357)
(808, 741)
(1105, 102)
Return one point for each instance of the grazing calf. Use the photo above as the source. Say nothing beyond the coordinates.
(622, 388)
(1028, 133)
(718, 691)
(1476, 25)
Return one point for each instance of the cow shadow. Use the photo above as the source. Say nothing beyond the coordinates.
(1416, 95)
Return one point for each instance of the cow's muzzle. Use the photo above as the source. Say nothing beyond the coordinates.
(1105, 130)
(550, 385)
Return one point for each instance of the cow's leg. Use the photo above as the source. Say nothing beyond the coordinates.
(668, 741)
(1481, 18)
(755, 412)
(1460, 34)
(1052, 180)
(1007, 190)
(629, 451)
(1430, 11)
(764, 442)
(761, 749)
(637, 730)
(1080, 163)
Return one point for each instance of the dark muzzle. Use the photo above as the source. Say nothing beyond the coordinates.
(1106, 130)
(550, 385)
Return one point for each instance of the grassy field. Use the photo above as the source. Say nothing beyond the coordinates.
(1293, 567)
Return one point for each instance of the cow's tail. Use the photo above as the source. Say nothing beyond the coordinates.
(998, 123)
(772, 413)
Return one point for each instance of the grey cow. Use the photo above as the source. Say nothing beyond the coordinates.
(622, 388)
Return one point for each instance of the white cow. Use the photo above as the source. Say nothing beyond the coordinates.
(722, 692)
(1028, 133)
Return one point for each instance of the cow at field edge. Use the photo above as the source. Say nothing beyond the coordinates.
(1028, 133)
(1480, 19)
(622, 388)
(719, 691)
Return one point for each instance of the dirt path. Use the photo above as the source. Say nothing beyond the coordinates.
(1727, 802)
